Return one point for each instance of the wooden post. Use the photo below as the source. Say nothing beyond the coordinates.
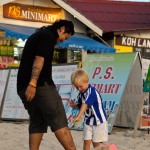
(84, 53)
(80, 65)
(138, 116)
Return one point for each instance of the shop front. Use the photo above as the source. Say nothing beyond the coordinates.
(69, 51)
(15, 36)
(79, 45)
(19, 21)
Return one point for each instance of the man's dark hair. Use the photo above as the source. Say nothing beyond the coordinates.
(69, 27)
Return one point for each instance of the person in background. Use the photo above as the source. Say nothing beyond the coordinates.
(89, 101)
(36, 88)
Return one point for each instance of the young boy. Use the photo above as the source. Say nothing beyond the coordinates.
(89, 103)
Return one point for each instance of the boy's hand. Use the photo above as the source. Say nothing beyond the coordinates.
(74, 119)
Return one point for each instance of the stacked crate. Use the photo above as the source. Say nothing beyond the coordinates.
(6, 50)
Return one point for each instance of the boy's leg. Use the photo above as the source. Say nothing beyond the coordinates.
(35, 140)
(65, 138)
(96, 144)
(87, 136)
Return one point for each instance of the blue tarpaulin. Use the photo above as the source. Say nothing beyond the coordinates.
(75, 42)
(17, 31)
(82, 42)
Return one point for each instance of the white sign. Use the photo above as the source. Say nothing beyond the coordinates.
(3, 79)
(13, 107)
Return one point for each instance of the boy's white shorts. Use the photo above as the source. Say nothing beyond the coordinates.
(98, 133)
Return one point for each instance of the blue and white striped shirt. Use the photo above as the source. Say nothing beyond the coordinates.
(95, 113)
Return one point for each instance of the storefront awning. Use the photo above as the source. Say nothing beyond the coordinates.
(17, 31)
(81, 42)
(75, 42)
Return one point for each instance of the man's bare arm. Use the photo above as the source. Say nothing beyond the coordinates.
(36, 69)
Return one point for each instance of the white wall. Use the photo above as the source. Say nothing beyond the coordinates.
(79, 27)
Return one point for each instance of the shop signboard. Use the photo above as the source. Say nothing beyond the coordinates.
(132, 44)
(133, 41)
(12, 108)
(32, 13)
(62, 79)
(110, 74)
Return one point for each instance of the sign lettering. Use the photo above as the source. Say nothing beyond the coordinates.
(31, 13)
(133, 41)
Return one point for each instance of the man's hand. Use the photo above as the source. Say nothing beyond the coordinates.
(30, 93)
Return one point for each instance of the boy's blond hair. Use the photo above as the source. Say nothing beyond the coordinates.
(79, 75)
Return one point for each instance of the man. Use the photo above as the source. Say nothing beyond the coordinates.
(36, 87)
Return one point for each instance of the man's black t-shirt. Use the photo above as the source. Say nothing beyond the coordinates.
(41, 43)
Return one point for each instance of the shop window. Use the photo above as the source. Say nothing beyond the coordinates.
(73, 56)
(60, 56)
(147, 53)
(13, 48)
(66, 56)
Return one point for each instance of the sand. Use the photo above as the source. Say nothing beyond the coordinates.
(14, 136)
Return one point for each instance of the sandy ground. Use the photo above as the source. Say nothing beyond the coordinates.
(14, 136)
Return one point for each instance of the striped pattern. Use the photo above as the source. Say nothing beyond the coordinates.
(95, 114)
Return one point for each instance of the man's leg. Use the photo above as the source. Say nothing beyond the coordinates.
(65, 138)
(87, 144)
(37, 126)
(35, 140)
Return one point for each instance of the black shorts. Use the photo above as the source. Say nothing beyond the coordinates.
(46, 109)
